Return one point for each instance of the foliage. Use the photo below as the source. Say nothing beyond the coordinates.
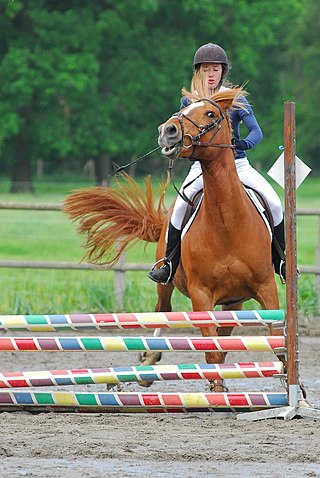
(82, 80)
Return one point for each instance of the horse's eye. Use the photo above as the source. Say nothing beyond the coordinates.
(210, 114)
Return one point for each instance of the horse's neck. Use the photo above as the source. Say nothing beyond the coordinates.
(224, 196)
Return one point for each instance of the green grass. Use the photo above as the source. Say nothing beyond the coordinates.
(49, 236)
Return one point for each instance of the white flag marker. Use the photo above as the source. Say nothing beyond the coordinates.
(276, 171)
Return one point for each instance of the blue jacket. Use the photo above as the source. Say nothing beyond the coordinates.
(246, 116)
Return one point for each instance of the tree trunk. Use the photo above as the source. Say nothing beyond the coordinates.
(103, 169)
(21, 176)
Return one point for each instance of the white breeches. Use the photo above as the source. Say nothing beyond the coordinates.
(248, 176)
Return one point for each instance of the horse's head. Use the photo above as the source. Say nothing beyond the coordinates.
(202, 124)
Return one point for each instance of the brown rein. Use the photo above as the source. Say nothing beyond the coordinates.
(209, 145)
(194, 142)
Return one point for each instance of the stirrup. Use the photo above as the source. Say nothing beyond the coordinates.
(282, 278)
(214, 383)
(165, 263)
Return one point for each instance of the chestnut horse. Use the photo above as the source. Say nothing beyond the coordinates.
(226, 253)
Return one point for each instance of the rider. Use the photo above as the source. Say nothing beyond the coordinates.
(210, 68)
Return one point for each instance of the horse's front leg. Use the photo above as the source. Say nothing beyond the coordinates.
(216, 385)
(202, 301)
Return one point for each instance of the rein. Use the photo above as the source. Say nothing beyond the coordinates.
(181, 194)
(121, 168)
(194, 142)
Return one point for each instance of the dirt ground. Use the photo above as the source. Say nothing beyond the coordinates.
(124, 445)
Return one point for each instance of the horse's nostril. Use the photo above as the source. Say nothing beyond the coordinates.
(170, 129)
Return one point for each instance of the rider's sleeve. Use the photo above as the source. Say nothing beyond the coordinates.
(184, 102)
(248, 118)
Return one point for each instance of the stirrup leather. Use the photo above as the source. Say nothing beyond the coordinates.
(165, 263)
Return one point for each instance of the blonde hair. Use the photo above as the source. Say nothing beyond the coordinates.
(199, 87)
(236, 93)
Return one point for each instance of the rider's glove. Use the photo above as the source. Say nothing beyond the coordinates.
(240, 144)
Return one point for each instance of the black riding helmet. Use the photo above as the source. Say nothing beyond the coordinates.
(211, 53)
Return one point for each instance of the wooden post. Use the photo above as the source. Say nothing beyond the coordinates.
(291, 256)
(119, 281)
(318, 264)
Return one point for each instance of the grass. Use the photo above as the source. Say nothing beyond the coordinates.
(49, 236)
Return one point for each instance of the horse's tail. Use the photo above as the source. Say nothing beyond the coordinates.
(113, 217)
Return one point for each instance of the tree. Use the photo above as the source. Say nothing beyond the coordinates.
(303, 51)
(48, 64)
(83, 79)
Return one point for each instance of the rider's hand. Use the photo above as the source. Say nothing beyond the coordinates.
(240, 144)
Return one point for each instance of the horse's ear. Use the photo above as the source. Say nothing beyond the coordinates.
(229, 97)
(225, 104)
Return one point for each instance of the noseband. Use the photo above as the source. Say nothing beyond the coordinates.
(195, 140)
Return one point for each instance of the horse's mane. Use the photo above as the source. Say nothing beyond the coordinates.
(235, 93)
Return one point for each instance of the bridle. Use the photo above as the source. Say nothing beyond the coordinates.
(214, 125)
(195, 140)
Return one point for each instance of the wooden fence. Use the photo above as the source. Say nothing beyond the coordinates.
(122, 266)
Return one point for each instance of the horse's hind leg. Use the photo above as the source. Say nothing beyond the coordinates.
(272, 303)
(164, 297)
(268, 298)
(163, 305)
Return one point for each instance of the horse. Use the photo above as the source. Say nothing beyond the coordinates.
(226, 253)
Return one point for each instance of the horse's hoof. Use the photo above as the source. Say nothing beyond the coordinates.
(144, 383)
(218, 386)
(118, 386)
(150, 358)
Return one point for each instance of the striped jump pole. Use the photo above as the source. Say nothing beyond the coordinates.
(160, 344)
(148, 373)
(132, 402)
(145, 320)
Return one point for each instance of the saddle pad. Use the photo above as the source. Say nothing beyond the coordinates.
(191, 218)
(260, 208)
(253, 198)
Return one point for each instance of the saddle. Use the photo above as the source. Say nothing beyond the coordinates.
(256, 198)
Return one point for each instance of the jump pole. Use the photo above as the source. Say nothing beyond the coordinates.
(138, 344)
(148, 373)
(133, 402)
(141, 320)
(297, 406)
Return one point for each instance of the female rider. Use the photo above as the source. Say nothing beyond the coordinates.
(210, 68)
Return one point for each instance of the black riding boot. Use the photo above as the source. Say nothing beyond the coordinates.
(278, 251)
(165, 274)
